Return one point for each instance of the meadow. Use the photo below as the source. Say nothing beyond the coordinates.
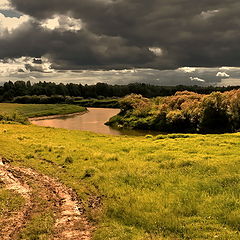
(137, 188)
(10, 201)
(38, 110)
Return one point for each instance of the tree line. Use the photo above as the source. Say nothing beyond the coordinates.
(11, 90)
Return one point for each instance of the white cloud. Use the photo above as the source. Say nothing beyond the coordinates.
(8, 68)
(63, 22)
(229, 82)
(209, 13)
(188, 69)
(229, 68)
(25, 65)
(9, 24)
(26, 68)
(5, 5)
(197, 79)
(157, 51)
(223, 74)
(51, 23)
(224, 68)
(46, 65)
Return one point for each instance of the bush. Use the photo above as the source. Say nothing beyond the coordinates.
(69, 160)
(215, 116)
(90, 172)
(183, 112)
(43, 99)
(14, 117)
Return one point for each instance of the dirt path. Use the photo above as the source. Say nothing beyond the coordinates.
(15, 222)
(70, 222)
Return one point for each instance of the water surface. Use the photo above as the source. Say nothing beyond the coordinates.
(92, 121)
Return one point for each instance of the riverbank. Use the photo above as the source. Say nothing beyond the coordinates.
(57, 116)
(134, 187)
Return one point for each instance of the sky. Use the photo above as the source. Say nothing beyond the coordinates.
(159, 42)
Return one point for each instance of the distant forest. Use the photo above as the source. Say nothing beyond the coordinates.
(11, 90)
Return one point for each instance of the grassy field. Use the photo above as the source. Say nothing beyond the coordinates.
(9, 202)
(38, 110)
(140, 188)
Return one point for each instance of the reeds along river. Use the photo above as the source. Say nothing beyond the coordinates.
(92, 121)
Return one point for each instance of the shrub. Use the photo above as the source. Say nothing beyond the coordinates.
(14, 117)
(90, 172)
(68, 160)
(214, 116)
(183, 112)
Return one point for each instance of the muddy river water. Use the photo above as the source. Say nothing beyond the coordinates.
(92, 121)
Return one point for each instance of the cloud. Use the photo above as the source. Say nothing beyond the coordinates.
(187, 69)
(9, 24)
(229, 82)
(157, 51)
(5, 5)
(209, 13)
(73, 50)
(63, 23)
(26, 67)
(123, 34)
(223, 75)
(197, 79)
(14, 67)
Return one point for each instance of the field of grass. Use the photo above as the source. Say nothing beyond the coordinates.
(38, 110)
(9, 202)
(140, 188)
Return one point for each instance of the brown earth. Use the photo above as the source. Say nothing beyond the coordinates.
(70, 221)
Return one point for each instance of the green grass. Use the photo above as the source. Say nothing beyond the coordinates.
(39, 227)
(175, 187)
(38, 110)
(10, 202)
(41, 222)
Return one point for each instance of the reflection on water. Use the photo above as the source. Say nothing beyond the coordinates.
(91, 121)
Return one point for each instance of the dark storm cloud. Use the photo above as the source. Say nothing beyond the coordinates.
(118, 34)
(72, 50)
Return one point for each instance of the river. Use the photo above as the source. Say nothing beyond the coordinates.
(92, 121)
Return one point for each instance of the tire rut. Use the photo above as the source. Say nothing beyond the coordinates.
(70, 222)
(12, 225)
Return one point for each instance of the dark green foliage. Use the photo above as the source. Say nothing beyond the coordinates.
(215, 116)
(14, 117)
(69, 160)
(43, 99)
(90, 172)
(107, 103)
(185, 112)
(10, 91)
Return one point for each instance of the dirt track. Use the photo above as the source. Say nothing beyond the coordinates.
(70, 222)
